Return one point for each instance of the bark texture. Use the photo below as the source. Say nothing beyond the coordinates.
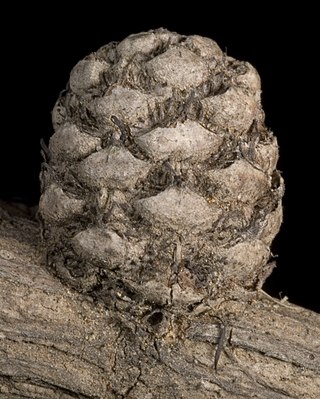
(56, 343)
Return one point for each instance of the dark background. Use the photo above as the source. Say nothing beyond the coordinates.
(40, 46)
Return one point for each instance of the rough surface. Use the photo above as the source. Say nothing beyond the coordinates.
(188, 140)
(71, 144)
(160, 182)
(59, 207)
(172, 208)
(179, 68)
(56, 344)
(112, 168)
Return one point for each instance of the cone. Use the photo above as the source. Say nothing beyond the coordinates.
(160, 186)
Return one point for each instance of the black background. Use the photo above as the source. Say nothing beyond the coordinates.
(40, 46)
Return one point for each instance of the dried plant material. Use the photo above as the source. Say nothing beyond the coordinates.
(161, 185)
(160, 200)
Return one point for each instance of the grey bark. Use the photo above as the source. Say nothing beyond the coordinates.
(56, 343)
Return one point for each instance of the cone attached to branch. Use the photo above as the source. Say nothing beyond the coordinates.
(160, 186)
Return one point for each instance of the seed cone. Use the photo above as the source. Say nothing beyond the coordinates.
(160, 185)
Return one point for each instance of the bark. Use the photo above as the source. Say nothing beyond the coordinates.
(57, 343)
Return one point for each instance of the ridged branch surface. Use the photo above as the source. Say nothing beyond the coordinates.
(54, 343)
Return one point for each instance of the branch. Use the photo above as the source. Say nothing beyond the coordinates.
(55, 343)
